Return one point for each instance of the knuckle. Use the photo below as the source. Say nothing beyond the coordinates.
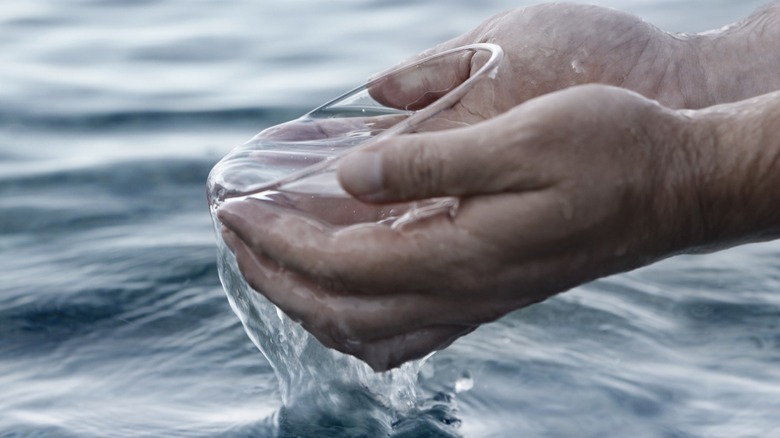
(423, 171)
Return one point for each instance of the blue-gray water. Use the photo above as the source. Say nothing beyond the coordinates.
(112, 318)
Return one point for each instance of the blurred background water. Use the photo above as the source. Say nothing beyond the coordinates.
(112, 318)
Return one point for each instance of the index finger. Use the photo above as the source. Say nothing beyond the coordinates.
(414, 86)
(370, 258)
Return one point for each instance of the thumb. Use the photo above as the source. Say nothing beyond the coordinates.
(454, 162)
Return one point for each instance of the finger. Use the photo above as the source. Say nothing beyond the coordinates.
(338, 320)
(458, 41)
(381, 354)
(330, 254)
(475, 160)
(334, 210)
(392, 93)
(264, 276)
(415, 86)
(389, 353)
(271, 230)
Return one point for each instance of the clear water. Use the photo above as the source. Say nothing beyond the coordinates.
(112, 318)
(324, 392)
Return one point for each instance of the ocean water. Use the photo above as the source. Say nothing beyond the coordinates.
(113, 322)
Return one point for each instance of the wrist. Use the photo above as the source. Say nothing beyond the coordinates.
(739, 61)
(733, 154)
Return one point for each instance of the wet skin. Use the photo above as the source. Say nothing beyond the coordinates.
(557, 188)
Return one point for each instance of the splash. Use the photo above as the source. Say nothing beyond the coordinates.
(303, 366)
(292, 165)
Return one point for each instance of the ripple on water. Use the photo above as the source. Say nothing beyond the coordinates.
(628, 355)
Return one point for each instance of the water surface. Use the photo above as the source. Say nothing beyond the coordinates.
(113, 319)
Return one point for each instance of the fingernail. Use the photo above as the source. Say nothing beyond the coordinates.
(360, 173)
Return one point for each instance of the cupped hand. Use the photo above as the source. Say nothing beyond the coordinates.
(563, 189)
(550, 47)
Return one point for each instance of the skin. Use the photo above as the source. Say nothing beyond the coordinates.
(550, 47)
(592, 180)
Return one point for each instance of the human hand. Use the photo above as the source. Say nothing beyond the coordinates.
(553, 46)
(560, 190)
(566, 188)
(549, 47)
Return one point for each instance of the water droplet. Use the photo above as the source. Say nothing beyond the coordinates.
(464, 383)
(578, 66)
